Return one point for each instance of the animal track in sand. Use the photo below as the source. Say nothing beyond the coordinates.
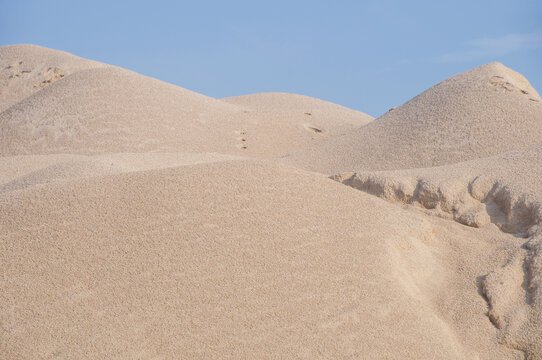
(18, 63)
(500, 82)
(52, 75)
(16, 71)
(242, 140)
(313, 128)
(45, 77)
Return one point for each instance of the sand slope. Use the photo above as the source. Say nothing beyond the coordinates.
(479, 113)
(26, 69)
(115, 110)
(217, 260)
(20, 172)
(504, 191)
(94, 108)
(314, 114)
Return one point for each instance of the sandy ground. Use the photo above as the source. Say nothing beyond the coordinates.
(142, 220)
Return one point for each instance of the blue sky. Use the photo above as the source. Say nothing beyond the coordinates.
(367, 55)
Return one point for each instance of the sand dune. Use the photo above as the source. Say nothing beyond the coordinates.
(104, 109)
(315, 114)
(142, 220)
(479, 113)
(218, 260)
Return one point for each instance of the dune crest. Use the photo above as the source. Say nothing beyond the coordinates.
(323, 114)
(479, 113)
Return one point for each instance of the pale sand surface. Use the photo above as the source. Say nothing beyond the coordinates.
(236, 259)
(315, 115)
(479, 113)
(135, 221)
(26, 69)
(101, 109)
(504, 192)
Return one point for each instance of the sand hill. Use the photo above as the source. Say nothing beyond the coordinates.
(218, 261)
(95, 108)
(143, 220)
(274, 118)
(315, 115)
(479, 113)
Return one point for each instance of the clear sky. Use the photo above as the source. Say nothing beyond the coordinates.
(367, 55)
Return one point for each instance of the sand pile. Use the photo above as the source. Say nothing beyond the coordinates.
(142, 220)
(218, 260)
(482, 112)
(101, 109)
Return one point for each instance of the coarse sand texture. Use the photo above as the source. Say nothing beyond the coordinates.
(141, 220)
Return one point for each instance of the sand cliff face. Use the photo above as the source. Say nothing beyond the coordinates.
(502, 191)
(142, 220)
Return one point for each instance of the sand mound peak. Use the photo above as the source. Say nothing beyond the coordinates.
(26, 69)
(279, 101)
(503, 78)
(479, 113)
